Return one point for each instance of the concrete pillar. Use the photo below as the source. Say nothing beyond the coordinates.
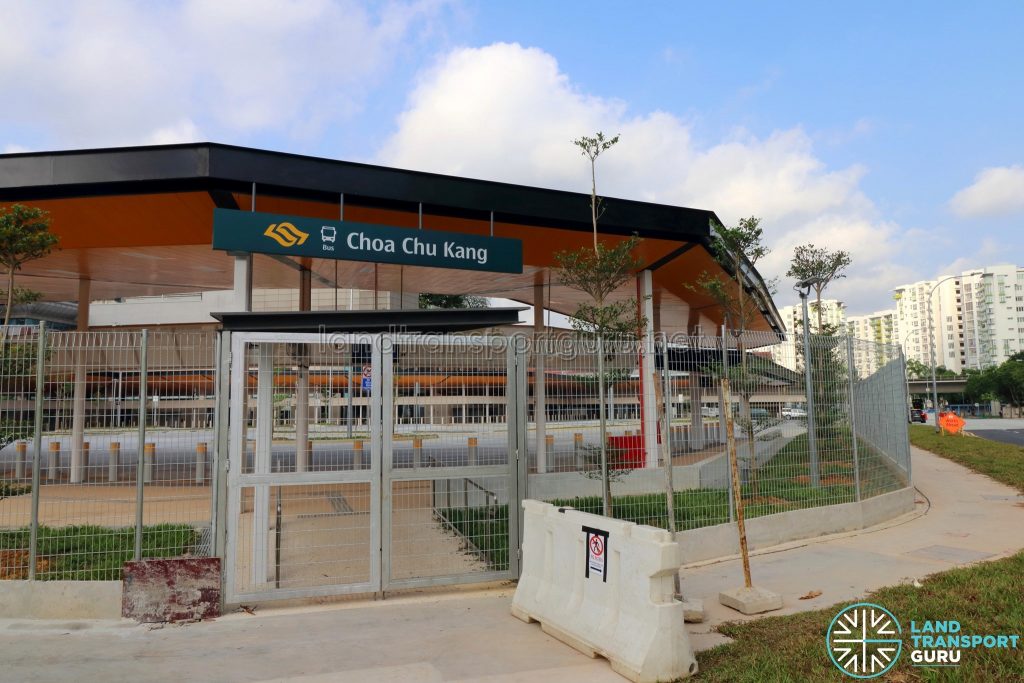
(471, 451)
(539, 398)
(696, 416)
(201, 462)
(54, 461)
(243, 282)
(648, 395)
(78, 404)
(113, 461)
(417, 452)
(302, 415)
(302, 381)
(20, 457)
(149, 458)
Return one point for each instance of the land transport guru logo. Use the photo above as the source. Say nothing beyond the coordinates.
(285, 234)
(865, 641)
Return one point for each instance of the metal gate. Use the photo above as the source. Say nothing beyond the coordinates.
(367, 463)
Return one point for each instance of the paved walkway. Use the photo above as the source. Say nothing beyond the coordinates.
(469, 635)
(962, 517)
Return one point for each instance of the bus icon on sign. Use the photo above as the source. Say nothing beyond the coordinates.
(328, 233)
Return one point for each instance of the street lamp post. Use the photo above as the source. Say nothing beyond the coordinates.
(803, 288)
(931, 344)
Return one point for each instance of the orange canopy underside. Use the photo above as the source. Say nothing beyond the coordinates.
(148, 244)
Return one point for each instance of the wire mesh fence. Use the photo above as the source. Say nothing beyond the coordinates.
(811, 428)
(110, 459)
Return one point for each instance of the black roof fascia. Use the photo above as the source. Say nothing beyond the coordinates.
(417, 321)
(175, 167)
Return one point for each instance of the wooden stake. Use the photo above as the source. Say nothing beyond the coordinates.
(730, 439)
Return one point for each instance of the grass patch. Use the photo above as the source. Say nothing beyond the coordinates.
(985, 599)
(486, 528)
(1003, 462)
(780, 485)
(91, 553)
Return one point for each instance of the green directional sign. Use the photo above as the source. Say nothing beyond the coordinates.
(269, 233)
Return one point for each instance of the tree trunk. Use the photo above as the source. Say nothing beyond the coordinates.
(606, 485)
(593, 202)
(10, 298)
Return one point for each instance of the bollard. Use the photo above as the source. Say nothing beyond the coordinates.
(114, 461)
(85, 461)
(54, 461)
(357, 455)
(201, 462)
(417, 452)
(309, 455)
(471, 446)
(149, 453)
(577, 450)
(21, 450)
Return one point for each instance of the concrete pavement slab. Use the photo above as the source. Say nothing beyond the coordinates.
(466, 636)
(963, 517)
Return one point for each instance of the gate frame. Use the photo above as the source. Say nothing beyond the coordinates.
(232, 432)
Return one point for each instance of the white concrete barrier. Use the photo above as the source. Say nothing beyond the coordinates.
(626, 613)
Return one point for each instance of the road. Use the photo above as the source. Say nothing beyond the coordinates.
(1004, 431)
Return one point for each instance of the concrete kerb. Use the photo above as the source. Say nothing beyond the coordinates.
(721, 541)
(60, 599)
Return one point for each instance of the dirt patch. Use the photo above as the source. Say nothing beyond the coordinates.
(14, 564)
(830, 480)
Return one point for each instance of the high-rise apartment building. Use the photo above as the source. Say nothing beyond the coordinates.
(879, 328)
(971, 320)
(833, 314)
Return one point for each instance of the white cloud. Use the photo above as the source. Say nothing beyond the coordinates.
(506, 112)
(120, 72)
(995, 191)
(182, 131)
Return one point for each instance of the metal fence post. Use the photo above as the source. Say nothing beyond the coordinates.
(37, 450)
(140, 464)
(851, 372)
(721, 424)
(901, 357)
(812, 432)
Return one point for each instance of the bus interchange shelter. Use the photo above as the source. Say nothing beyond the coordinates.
(307, 496)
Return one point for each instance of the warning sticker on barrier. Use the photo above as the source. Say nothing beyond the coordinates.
(597, 552)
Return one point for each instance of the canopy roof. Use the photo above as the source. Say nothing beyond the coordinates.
(138, 221)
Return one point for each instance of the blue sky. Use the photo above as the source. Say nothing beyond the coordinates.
(890, 129)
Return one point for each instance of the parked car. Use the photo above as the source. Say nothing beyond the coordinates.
(917, 415)
(794, 413)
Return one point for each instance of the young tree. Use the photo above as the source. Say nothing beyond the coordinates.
(735, 247)
(598, 272)
(592, 148)
(821, 267)
(24, 236)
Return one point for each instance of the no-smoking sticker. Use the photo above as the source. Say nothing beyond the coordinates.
(597, 552)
